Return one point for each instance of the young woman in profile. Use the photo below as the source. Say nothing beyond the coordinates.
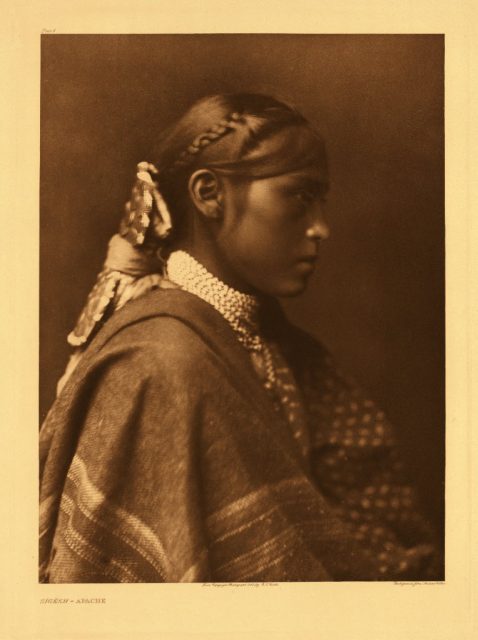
(197, 435)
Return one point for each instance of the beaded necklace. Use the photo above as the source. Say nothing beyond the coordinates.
(241, 310)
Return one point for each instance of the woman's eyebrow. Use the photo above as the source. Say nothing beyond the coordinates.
(315, 184)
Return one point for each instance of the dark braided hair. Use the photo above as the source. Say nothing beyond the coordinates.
(204, 139)
(219, 130)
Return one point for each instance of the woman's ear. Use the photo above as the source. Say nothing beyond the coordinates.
(205, 190)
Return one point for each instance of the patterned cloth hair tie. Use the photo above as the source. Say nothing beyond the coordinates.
(132, 265)
(140, 213)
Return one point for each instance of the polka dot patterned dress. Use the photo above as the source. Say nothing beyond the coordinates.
(355, 462)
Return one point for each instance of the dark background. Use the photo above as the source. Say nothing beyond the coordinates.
(377, 300)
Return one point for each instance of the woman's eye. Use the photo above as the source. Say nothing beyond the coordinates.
(307, 196)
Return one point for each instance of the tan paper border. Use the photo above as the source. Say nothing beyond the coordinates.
(334, 611)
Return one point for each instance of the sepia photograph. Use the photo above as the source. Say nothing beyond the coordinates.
(242, 308)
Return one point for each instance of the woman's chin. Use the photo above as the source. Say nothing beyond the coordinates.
(291, 287)
(288, 284)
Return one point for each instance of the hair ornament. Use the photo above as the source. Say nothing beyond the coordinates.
(146, 210)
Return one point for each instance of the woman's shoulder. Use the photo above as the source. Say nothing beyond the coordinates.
(163, 328)
(142, 353)
(159, 341)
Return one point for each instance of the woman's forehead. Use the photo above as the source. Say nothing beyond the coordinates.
(290, 138)
(292, 150)
(311, 173)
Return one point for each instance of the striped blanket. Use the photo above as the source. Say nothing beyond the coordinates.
(164, 460)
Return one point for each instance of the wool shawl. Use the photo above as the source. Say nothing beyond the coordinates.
(164, 460)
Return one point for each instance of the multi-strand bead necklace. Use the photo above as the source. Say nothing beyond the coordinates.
(241, 310)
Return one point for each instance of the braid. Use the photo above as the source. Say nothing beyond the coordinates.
(204, 139)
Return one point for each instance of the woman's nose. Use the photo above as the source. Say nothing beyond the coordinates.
(319, 229)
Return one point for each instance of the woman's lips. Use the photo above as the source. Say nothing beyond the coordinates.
(307, 264)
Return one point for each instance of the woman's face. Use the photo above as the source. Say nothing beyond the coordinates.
(271, 229)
